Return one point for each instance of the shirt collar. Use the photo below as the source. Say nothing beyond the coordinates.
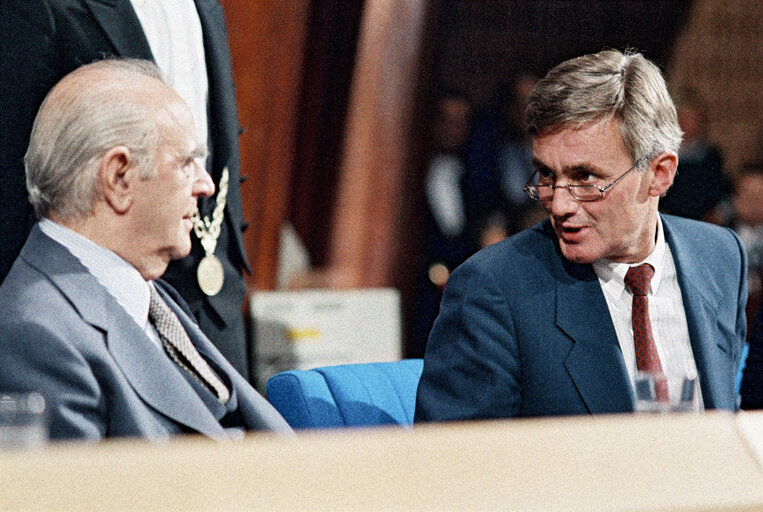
(612, 274)
(121, 280)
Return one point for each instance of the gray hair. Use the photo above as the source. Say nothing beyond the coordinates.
(90, 111)
(609, 85)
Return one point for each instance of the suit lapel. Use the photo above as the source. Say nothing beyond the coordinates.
(240, 397)
(218, 72)
(595, 362)
(118, 20)
(700, 293)
(153, 376)
(223, 118)
(157, 380)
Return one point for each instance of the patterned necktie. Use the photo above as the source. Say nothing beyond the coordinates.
(638, 280)
(178, 345)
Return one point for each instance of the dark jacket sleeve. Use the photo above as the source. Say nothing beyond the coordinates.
(752, 382)
(27, 58)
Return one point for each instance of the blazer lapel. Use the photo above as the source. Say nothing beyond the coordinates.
(223, 119)
(707, 332)
(256, 411)
(595, 362)
(203, 346)
(219, 72)
(118, 20)
(158, 380)
(153, 376)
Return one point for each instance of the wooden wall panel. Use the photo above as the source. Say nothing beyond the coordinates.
(719, 53)
(366, 225)
(330, 52)
(266, 41)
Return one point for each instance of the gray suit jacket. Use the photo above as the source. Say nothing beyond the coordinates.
(64, 335)
(524, 332)
(43, 40)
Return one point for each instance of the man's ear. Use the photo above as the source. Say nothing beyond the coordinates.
(116, 176)
(663, 169)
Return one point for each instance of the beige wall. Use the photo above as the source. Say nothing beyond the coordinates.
(718, 52)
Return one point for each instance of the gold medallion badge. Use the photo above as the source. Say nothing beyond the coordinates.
(210, 275)
(210, 272)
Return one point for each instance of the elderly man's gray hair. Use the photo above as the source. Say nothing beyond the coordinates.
(91, 110)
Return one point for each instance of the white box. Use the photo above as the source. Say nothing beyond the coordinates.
(310, 328)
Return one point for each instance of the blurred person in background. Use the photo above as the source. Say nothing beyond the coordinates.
(453, 198)
(747, 211)
(745, 217)
(501, 148)
(701, 185)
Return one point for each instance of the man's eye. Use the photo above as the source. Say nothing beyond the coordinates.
(585, 178)
(545, 177)
(187, 167)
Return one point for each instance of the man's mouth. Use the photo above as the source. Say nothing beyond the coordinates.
(570, 233)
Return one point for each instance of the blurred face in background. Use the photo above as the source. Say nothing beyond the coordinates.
(523, 86)
(691, 121)
(748, 198)
(451, 128)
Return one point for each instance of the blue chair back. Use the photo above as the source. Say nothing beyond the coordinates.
(740, 370)
(349, 395)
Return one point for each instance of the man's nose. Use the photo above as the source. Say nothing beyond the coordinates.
(203, 184)
(562, 203)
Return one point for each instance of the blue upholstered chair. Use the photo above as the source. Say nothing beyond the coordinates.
(740, 371)
(348, 395)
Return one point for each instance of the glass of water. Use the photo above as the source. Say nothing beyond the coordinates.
(671, 392)
(23, 420)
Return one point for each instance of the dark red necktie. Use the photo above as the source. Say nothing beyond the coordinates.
(638, 280)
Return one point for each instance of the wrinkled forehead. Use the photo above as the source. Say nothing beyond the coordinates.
(174, 118)
(604, 130)
(590, 145)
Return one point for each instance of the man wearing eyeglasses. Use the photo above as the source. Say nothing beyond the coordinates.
(546, 322)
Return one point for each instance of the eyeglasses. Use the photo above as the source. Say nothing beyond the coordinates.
(583, 193)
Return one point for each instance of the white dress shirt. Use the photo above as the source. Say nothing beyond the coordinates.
(666, 311)
(173, 31)
(121, 280)
(443, 190)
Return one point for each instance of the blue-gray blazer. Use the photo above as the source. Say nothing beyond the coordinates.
(524, 332)
(63, 335)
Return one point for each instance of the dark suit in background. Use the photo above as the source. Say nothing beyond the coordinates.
(43, 40)
(752, 383)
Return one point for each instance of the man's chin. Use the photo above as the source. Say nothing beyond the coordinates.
(152, 271)
(182, 249)
(577, 253)
(181, 253)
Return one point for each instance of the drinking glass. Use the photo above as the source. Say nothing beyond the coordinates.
(683, 392)
(23, 420)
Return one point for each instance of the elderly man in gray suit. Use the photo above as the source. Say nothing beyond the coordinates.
(114, 170)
